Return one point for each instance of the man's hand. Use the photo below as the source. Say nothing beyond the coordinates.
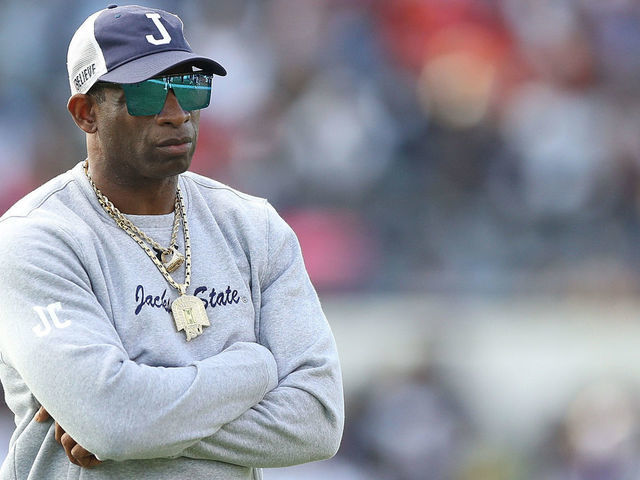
(77, 454)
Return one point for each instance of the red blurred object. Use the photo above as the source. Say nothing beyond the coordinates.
(214, 150)
(409, 27)
(13, 191)
(337, 249)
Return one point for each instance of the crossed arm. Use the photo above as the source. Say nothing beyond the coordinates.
(274, 403)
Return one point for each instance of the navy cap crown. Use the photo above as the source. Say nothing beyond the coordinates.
(136, 33)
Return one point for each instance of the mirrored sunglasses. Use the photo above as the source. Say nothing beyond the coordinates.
(193, 91)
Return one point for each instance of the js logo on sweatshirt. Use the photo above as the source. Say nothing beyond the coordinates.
(49, 316)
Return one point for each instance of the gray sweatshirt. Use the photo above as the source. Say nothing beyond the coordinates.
(86, 331)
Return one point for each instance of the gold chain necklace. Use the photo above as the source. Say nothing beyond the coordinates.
(171, 258)
(188, 311)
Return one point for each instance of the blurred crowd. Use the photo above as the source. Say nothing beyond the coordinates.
(444, 145)
(413, 428)
(485, 147)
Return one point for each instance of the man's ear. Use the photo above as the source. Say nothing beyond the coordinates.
(82, 108)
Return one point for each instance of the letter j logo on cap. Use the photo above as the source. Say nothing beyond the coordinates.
(166, 38)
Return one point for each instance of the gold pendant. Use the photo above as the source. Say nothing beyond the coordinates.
(189, 315)
(172, 263)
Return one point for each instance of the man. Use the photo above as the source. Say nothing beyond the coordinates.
(164, 320)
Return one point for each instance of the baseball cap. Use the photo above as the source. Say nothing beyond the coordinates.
(129, 44)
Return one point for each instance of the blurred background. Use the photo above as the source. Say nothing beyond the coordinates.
(464, 178)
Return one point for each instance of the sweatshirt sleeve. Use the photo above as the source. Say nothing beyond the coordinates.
(301, 420)
(57, 336)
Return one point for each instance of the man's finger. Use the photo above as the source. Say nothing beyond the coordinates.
(84, 456)
(59, 433)
(42, 415)
(80, 452)
(89, 462)
(68, 443)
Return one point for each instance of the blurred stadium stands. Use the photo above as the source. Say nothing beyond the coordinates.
(464, 178)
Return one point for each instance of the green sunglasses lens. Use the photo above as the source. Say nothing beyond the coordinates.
(145, 98)
(193, 92)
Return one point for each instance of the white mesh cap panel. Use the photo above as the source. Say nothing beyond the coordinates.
(85, 61)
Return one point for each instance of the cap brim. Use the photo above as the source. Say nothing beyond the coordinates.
(151, 65)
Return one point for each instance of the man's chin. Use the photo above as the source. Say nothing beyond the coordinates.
(169, 165)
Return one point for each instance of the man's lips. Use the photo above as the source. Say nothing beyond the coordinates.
(176, 146)
(175, 141)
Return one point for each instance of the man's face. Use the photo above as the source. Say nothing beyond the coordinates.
(142, 148)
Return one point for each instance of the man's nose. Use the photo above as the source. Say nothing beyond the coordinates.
(172, 112)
